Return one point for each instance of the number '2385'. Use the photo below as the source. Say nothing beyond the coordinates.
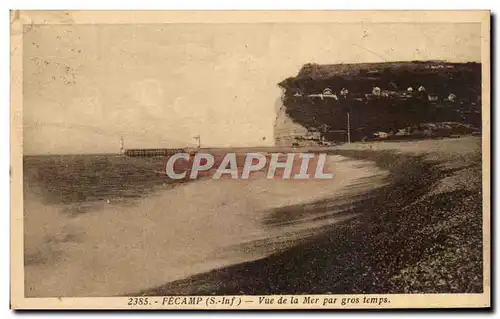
(138, 301)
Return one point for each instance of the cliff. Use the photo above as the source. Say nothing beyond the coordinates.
(384, 97)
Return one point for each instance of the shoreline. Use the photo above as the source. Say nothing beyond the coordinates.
(422, 233)
(172, 234)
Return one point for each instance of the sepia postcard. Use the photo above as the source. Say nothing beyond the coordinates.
(250, 159)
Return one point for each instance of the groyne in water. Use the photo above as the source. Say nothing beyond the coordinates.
(150, 152)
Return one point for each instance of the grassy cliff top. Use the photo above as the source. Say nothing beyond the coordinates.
(436, 76)
(365, 69)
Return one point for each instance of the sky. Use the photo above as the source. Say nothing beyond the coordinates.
(159, 85)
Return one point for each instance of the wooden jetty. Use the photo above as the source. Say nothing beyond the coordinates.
(153, 152)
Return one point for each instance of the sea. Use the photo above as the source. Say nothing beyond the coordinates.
(110, 225)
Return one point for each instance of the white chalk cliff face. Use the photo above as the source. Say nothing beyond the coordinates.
(285, 129)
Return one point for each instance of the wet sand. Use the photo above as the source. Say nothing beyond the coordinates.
(116, 249)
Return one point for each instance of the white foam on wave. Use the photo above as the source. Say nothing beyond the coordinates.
(196, 227)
